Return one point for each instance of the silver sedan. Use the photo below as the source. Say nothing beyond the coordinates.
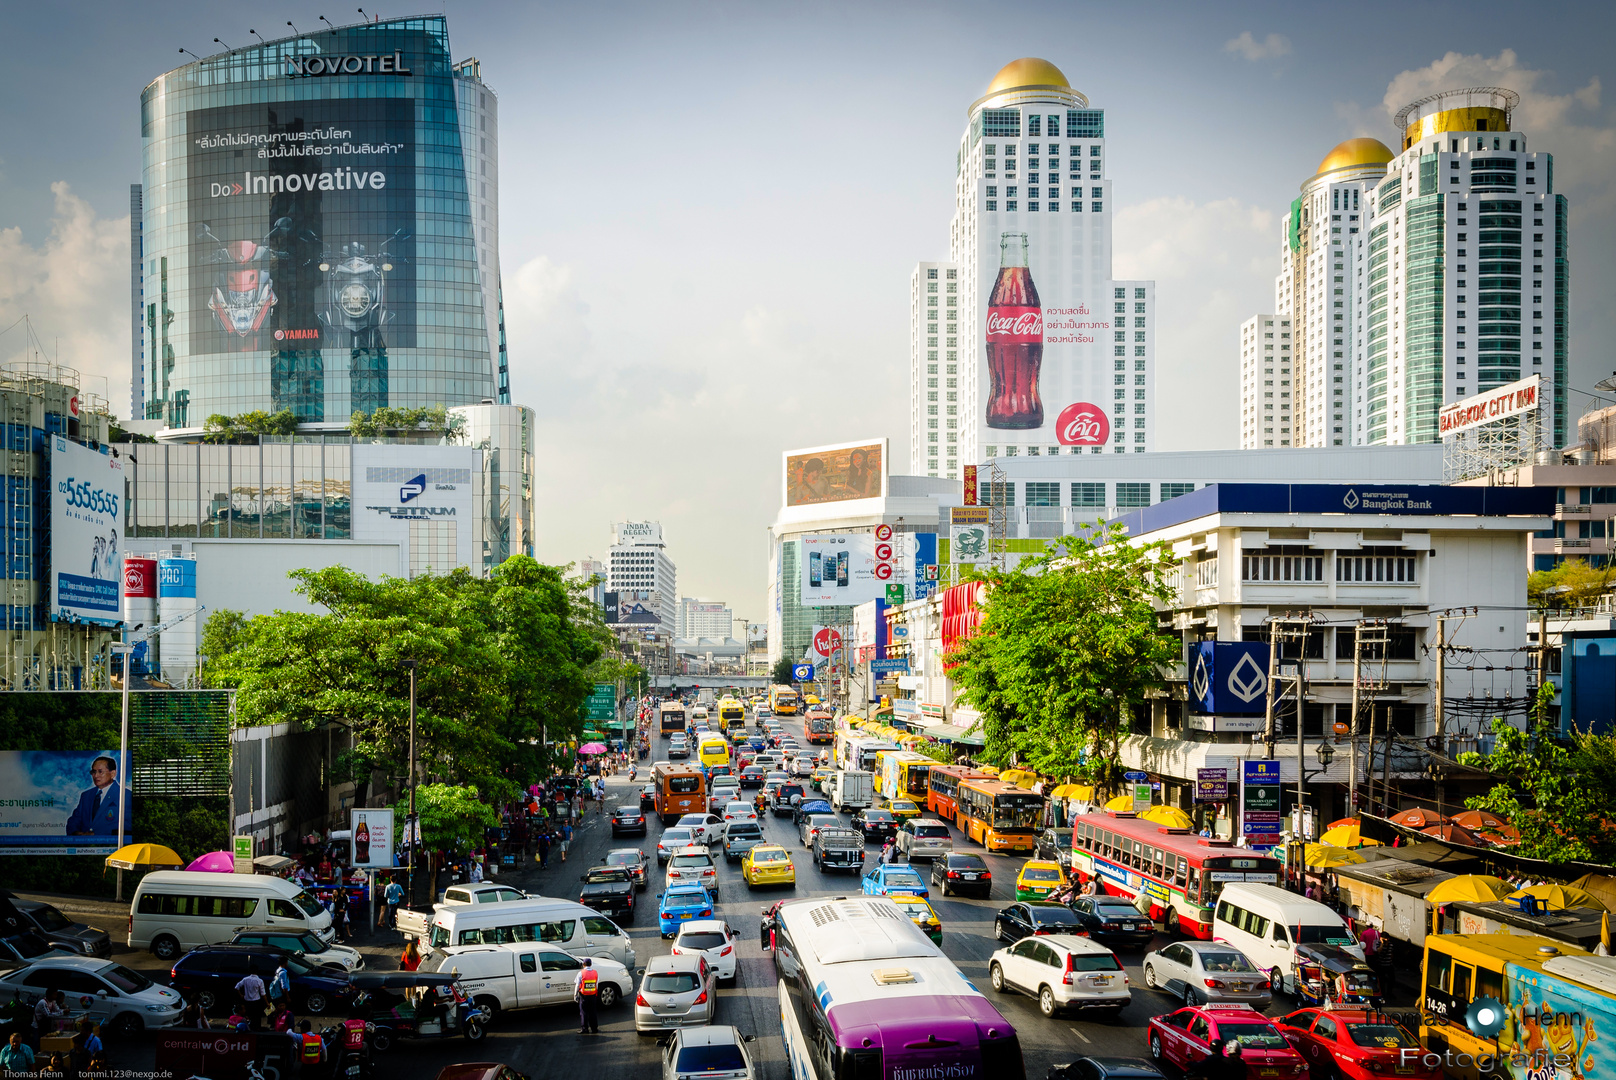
(1207, 971)
(676, 992)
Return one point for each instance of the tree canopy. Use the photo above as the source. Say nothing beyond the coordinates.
(500, 662)
(1067, 648)
(1572, 584)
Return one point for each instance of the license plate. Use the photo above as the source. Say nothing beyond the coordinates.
(1239, 987)
(1127, 926)
(684, 914)
(1405, 1070)
(1101, 980)
(1267, 1072)
(968, 877)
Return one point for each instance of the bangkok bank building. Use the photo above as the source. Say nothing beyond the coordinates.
(318, 231)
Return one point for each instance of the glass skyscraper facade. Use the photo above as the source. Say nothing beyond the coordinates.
(320, 230)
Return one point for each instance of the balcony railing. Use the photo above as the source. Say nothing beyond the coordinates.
(1573, 508)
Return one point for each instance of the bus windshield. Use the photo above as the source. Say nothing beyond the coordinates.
(1017, 811)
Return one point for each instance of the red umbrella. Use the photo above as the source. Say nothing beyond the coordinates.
(1475, 820)
(1419, 818)
(1503, 836)
(1343, 823)
(1453, 834)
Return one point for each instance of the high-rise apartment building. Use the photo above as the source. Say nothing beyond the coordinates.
(319, 230)
(638, 565)
(1055, 356)
(934, 378)
(703, 619)
(1266, 392)
(1416, 278)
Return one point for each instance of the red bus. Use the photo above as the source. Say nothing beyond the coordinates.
(942, 788)
(1182, 873)
(819, 726)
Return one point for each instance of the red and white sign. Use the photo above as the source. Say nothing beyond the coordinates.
(1083, 424)
(1497, 404)
(883, 571)
(73, 406)
(140, 577)
(827, 641)
(883, 532)
(1015, 325)
(883, 552)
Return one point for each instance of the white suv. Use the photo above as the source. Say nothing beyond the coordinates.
(1063, 972)
(711, 938)
(925, 838)
(694, 864)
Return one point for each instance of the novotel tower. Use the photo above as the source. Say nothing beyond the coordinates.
(319, 224)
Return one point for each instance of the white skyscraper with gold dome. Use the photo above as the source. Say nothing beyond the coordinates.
(1413, 278)
(1022, 342)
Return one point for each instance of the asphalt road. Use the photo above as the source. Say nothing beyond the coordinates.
(544, 1044)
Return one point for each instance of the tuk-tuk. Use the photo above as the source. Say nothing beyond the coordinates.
(437, 1009)
(1329, 976)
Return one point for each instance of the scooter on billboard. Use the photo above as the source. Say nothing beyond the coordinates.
(244, 293)
(354, 299)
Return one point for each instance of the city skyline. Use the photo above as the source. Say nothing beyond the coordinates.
(652, 305)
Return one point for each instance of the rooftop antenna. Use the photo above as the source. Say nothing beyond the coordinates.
(191, 54)
(257, 35)
(295, 30)
(227, 48)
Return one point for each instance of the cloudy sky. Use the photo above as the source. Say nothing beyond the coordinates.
(710, 210)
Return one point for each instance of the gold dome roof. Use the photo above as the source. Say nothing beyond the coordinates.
(1356, 152)
(1029, 71)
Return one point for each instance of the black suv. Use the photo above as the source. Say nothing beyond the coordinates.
(61, 931)
(209, 973)
(962, 873)
(610, 891)
(782, 798)
(1055, 845)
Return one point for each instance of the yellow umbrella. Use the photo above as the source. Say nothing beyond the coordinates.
(1344, 836)
(143, 856)
(1065, 791)
(1027, 781)
(1170, 816)
(1120, 803)
(1560, 897)
(991, 770)
(1011, 776)
(1323, 856)
(1476, 888)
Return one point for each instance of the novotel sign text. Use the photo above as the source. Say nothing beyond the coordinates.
(373, 64)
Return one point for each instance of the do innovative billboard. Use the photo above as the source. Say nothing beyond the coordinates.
(87, 490)
(62, 802)
(303, 225)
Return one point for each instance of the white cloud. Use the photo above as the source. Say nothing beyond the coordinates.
(1249, 47)
(74, 288)
(1213, 264)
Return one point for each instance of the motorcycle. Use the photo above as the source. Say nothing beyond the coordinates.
(354, 297)
(244, 294)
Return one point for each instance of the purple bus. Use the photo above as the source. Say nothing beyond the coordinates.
(865, 995)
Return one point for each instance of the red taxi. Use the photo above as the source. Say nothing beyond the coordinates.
(1184, 1038)
(1357, 1044)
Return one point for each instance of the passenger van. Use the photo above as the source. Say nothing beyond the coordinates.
(176, 910)
(565, 924)
(1265, 922)
(712, 750)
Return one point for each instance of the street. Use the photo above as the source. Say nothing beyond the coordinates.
(545, 1044)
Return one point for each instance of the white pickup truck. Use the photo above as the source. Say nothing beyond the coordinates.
(529, 975)
(416, 922)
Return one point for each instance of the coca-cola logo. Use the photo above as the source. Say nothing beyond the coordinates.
(1016, 323)
(1082, 424)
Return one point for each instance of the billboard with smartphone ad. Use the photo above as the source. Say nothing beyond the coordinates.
(838, 569)
(839, 473)
(1046, 336)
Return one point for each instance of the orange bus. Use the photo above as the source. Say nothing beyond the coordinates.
(997, 815)
(679, 790)
(942, 788)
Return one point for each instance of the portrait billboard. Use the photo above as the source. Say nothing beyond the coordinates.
(371, 834)
(87, 491)
(62, 802)
(840, 473)
(1045, 341)
(302, 226)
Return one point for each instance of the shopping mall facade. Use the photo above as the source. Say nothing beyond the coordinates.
(318, 230)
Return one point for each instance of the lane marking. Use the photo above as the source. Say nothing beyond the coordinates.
(1082, 1036)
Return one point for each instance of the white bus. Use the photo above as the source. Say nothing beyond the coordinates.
(864, 993)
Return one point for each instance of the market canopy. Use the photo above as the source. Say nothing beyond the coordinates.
(1121, 804)
(1325, 856)
(1081, 792)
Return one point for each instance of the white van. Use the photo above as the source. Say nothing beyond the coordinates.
(176, 910)
(526, 976)
(1265, 922)
(566, 924)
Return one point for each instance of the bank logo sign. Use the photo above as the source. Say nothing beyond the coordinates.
(1229, 678)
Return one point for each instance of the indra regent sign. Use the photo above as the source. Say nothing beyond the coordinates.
(373, 64)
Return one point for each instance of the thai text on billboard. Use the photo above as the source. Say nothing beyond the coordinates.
(87, 491)
(1500, 403)
(835, 473)
(62, 802)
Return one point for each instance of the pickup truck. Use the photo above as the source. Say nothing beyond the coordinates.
(839, 849)
(415, 922)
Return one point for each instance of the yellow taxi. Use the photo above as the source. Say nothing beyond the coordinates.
(1038, 879)
(821, 774)
(903, 809)
(768, 864)
(917, 909)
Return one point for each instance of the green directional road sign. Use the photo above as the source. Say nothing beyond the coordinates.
(602, 704)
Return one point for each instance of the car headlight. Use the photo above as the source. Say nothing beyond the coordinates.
(160, 1008)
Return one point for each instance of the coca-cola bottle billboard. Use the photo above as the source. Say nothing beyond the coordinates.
(1015, 340)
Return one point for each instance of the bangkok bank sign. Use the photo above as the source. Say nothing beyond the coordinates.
(1082, 424)
(1501, 403)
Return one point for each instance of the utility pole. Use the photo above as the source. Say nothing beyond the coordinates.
(1438, 677)
(1370, 633)
(1285, 628)
(1542, 647)
(411, 828)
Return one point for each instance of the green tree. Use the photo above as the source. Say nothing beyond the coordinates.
(1560, 795)
(248, 426)
(390, 422)
(452, 816)
(782, 671)
(1571, 584)
(1068, 646)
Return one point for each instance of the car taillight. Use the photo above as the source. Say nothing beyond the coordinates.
(706, 912)
(986, 876)
(727, 950)
(1216, 984)
(953, 873)
(702, 1000)
(639, 999)
(1264, 985)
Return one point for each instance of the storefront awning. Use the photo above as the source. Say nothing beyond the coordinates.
(955, 733)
